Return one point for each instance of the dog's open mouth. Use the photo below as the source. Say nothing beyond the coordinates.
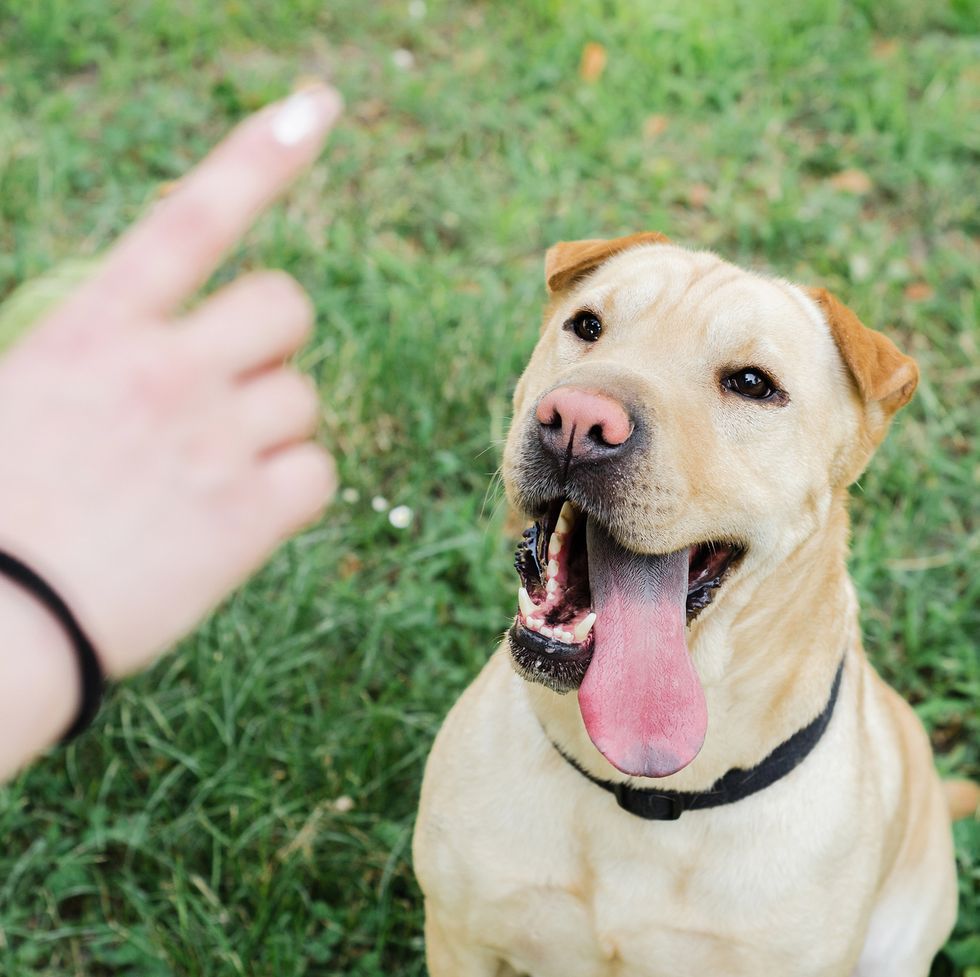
(597, 617)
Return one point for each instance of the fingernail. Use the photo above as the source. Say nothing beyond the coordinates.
(309, 111)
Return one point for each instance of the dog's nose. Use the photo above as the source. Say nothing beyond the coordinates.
(590, 424)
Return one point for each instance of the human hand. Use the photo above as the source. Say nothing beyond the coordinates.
(150, 461)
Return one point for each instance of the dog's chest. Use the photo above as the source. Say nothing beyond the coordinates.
(655, 914)
(584, 928)
(582, 889)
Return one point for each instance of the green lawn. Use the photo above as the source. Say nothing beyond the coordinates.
(247, 807)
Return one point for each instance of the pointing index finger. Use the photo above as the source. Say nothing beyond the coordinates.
(173, 250)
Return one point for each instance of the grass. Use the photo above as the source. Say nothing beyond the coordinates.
(246, 807)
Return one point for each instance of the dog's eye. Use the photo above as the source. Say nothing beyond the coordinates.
(751, 383)
(586, 325)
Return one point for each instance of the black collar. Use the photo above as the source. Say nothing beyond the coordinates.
(668, 805)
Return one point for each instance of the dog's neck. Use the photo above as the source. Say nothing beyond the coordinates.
(767, 655)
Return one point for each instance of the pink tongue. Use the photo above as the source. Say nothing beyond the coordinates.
(641, 700)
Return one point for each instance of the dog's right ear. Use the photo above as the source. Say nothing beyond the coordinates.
(568, 261)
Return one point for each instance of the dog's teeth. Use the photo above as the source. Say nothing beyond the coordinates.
(554, 547)
(551, 586)
(565, 519)
(546, 632)
(534, 623)
(552, 570)
(527, 606)
(583, 628)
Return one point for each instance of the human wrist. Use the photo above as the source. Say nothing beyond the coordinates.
(39, 677)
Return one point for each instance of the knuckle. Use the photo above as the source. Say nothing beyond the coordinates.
(303, 391)
(309, 417)
(288, 296)
(191, 214)
(321, 480)
(291, 397)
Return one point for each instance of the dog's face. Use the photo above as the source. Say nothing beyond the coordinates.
(681, 422)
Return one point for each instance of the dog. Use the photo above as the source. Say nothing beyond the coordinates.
(680, 761)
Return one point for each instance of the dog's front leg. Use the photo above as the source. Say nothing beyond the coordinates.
(449, 954)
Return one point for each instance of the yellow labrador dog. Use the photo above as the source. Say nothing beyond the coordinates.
(680, 762)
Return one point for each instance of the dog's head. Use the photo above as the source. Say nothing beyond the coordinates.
(681, 422)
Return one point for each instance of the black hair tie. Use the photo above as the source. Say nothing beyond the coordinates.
(90, 672)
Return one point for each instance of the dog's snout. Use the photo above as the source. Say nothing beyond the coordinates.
(586, 424)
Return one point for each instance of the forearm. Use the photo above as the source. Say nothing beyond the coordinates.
(39, 679)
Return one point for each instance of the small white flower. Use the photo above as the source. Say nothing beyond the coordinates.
(343, 804)
(350, 495)
(403, 58)
(379, 503)
(401, 517)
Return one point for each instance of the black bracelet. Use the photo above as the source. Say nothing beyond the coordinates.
(90, 672)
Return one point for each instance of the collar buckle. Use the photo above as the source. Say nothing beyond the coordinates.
(648, 805)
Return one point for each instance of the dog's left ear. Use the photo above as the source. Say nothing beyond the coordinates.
(568, 261)
(884, 376)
